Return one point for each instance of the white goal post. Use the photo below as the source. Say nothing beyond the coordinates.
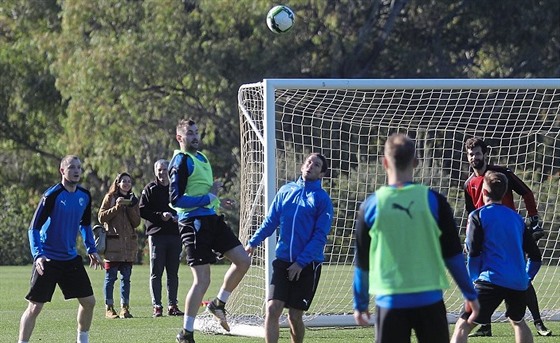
(348, 120)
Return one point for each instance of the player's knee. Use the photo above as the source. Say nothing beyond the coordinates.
(244, 263)
(295, 316)
(34, 308)
(274, 309)
(88, 303)
(239, 258)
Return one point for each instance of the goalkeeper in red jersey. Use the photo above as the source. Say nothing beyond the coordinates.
(477, 155)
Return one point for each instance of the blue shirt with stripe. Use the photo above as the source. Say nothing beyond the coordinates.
(56, 222)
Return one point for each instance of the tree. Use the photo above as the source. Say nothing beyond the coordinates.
(108, 80)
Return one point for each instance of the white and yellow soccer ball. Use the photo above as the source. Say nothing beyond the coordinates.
(280, 19)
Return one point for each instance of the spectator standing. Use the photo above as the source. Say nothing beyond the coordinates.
(120, 215)
(163, 239)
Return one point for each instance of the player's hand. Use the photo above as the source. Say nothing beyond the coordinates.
(216, 186)
(249, 249)
(166, 216)
(294, 271)
(227, 204)
(95, 260)
(536, 228)
(472, 306)
(362, 317)
(40, 264)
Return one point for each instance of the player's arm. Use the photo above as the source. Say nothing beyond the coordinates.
(451, 249)
(474, 242)
(469, 204)
(85, 228)
(364, 221)
(270, 223)
(42, 213)
(519, 187)
(534, 257)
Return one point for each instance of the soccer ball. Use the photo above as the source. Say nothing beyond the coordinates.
(280, 19)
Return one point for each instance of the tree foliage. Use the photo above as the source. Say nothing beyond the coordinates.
(108, 80)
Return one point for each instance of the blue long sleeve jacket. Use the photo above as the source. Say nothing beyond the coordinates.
(303, 213)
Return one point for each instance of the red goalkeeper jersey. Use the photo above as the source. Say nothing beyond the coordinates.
(473, 191)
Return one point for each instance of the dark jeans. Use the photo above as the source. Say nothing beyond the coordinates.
(165, 251)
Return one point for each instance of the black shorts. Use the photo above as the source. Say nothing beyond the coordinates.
(71, 277)
(490, 296)
(295, 294)
(395, 325)
(206, 238)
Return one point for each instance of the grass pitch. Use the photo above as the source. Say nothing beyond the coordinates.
(57, 322)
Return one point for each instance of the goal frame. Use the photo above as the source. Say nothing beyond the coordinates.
(268, 139)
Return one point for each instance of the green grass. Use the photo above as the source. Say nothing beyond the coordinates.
(57, 322)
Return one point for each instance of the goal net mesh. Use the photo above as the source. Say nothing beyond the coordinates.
(349, 126)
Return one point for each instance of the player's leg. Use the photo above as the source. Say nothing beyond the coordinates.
(40, 292)
(201, 281)
(228, 244)
(274, 309)
(461, 331)
(392, 325)
(533, 305)
(28, 320)
(522, 331)
(490, 297)
(297, 328)
(532, 302)
(240, 263)
(85, 312)
(430, 323)
(300, 295)
(516, 303)
(75, 283)
(195, 239)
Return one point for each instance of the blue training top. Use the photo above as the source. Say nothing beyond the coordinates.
(56, 221)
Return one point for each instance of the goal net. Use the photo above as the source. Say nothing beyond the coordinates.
(348, 121)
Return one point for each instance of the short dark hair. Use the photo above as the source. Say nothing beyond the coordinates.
(496, 185)
(65, 161)
(400, 149)
(473, 142)
(183, 124)
(323, 159)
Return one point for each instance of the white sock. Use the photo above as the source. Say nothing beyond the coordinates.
(223, 295)
(188, 323)
(83, 337)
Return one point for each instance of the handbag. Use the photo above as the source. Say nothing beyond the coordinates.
(100, 238)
